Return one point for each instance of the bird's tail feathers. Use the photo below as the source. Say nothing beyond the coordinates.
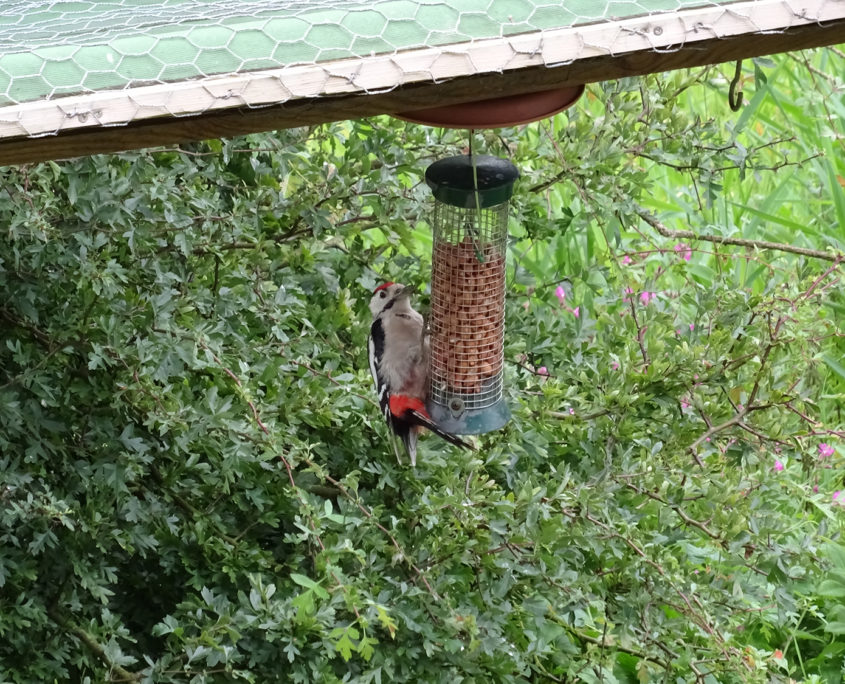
(413, 410)
(410, 442)
(424, 420)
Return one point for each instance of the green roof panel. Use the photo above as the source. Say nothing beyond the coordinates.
(50, 49)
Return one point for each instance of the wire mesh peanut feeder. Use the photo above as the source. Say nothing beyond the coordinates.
(468, 292)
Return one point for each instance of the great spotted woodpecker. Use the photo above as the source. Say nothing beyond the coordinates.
(398, 351)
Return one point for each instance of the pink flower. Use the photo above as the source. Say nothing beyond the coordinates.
(571, 411)
(815, 489)
(525, 305)
(560, 293)
(684, 405)
(542, 370)
(626, 260)
(646, 297)
(825, 450)
(778, 465)
(681, 247)
(576, 311)
(628, 290)
(691, 328)
(836, 495)
(615, 365)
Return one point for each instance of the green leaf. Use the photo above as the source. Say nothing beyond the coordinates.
(343, 643)
(308, 583)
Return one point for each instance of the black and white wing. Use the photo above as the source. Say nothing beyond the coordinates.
(375, 349)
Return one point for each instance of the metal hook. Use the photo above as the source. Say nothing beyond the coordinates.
(734, 97)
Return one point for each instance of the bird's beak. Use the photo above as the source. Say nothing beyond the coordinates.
(404, 293)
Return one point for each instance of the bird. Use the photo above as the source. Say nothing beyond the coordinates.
(398, 351)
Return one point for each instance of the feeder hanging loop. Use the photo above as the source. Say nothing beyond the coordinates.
(735, 91)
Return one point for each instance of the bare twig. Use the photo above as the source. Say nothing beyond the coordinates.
(824, 275)
(602, 642)
(368, 514)
(237, 380)
(741, 412)
(733, 420)
(525, 366)
(681, 513)
(721, 169)
(563, 416)
(739, 242)
(613, 533)
(640, 333)
(328, 377)
(761, 436)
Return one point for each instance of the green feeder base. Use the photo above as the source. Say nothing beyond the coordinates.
(462, 421)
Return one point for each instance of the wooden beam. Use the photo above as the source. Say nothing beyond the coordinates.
(156, 132)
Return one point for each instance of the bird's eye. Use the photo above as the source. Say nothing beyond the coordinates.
(382, 294)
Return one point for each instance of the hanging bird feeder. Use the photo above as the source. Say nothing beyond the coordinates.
(467, 321)
(472, 194)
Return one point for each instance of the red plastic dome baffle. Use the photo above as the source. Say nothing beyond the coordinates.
(497, 112)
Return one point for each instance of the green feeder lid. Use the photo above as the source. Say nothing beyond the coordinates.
(453, 181)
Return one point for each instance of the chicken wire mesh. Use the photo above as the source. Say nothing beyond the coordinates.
(468, 292)
(68, 65)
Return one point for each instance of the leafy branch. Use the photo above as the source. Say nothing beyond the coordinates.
(92, 645)
(336, 483)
